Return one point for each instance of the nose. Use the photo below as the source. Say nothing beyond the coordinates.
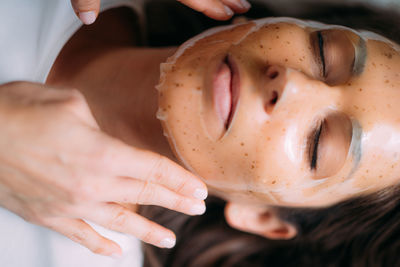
(274, 82)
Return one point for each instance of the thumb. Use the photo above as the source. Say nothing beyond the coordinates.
(86, 10)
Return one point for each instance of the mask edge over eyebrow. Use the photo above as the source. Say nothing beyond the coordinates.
(355, 146)
(360, 56)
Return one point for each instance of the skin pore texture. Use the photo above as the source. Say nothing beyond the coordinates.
(285, 112)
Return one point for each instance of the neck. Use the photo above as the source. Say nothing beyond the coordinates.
(119, 86)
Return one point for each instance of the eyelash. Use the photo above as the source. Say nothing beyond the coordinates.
(321, 52)
(313, 147)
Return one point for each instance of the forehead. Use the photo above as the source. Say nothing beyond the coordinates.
(298, 22)
(254, 26)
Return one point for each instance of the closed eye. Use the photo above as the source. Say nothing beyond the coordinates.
(328, 144)
(313, 146)
(321, 53)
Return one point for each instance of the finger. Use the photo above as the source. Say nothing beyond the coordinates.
(82, 233)
(127, 190)
(151, 167)
(86, 10)
(118, 218)
(239, 6)
(211, 8)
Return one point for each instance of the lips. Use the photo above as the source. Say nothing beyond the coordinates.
(226, 91)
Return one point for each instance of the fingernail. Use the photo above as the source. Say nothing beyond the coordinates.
(200, 193)
(167, 243)
(87, 17)
(245, 4)
(197, 209)
(228, 11)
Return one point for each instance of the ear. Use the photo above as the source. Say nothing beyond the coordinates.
(258, 220)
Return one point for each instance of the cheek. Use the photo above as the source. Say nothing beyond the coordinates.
(182, 90)
(225, 163)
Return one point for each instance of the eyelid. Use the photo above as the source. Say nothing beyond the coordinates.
(335, 55)
(360, 51)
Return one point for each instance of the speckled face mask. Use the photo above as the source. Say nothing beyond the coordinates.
(285, 112)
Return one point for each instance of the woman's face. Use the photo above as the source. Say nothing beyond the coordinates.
(285, 112)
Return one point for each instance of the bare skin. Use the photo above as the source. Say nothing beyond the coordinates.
(122, 110)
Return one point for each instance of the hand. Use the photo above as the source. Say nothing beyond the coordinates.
(87, 10)
(58, 169)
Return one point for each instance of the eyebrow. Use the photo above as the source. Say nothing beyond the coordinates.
(355, 146)
(360, 56)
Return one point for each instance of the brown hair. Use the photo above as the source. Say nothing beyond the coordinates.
(362, 231)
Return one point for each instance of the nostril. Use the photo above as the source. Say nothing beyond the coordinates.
(274, 98)
(269, 105)
(273, 74)
(273, 83)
